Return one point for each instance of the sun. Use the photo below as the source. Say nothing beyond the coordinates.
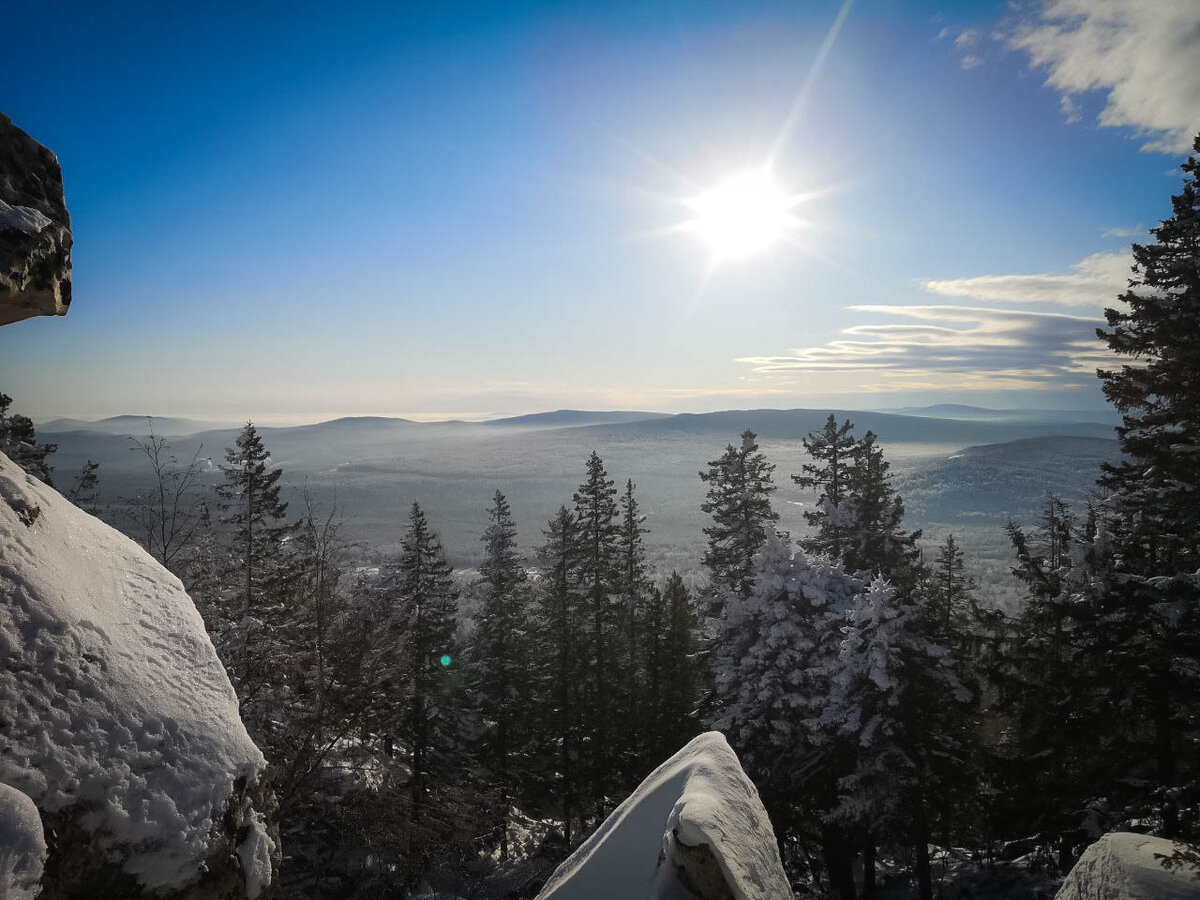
(742, 216)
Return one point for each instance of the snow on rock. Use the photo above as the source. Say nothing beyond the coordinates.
(695, 828)
(116, 717)
(22, 846)
(1123, 866)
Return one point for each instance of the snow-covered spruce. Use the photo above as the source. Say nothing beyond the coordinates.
(117, 717)
(694, 828)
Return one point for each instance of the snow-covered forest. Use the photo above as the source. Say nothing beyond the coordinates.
(426, 728)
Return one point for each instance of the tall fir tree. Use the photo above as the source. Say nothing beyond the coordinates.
(250, 500)
(560, 669)
(833, 451)
(417, 704)
(598, 536)
(672, 682)
(1153, 507)
(632, 640)
(253, 510)
(739, 501)
(500, 662)
(876, 541)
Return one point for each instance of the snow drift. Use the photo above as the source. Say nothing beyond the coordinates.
(694, 828)
(117, 717)
(1122, 866)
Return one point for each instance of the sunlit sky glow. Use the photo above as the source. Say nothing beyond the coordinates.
(297, 212)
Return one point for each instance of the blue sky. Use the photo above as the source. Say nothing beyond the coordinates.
(292, 212)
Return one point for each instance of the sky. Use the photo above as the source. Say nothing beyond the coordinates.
(292, 212)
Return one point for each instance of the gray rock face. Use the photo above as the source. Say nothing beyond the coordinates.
(35, 229)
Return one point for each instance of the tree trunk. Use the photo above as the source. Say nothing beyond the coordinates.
(869, 867)
(837, 850)
(924, 871)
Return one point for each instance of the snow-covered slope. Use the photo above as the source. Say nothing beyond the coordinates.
(694, 828)
(1123, 866)
(117, 715)
(22, 845)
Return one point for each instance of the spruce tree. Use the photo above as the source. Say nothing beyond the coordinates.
(599, 572)
(1151, 595)
(739, 501)
(875, 541)
(501, 659)
(672, 684)
(633, 640)
(833, 451)
(18, 441)
(558, 675)
(1157, 389)
(250, 501)
(85, 493)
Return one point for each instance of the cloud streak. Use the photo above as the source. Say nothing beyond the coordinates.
(1095, 281)
(955, 347)
(1142, 54)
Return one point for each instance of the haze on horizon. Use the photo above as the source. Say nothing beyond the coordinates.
(496, 210)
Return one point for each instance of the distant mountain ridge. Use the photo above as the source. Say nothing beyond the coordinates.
(982, 413)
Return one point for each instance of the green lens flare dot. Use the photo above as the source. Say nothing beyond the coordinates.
(445, 660)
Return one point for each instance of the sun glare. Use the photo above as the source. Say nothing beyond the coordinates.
(742, 215)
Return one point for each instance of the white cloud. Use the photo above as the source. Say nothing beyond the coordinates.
(1138, 230)
(1143, 54)
(971, 62)
(968, 37)
(953, 347)
(1095, 281)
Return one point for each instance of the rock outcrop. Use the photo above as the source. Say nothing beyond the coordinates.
(22, 846)
(695, 829)
(1124, 866)
(35, 229)
(116, 717)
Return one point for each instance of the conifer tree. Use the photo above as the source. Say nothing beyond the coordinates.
(875, 541)
(897, 695)
(1151, 596)
(419, 664)
(598, 537)
(560, 675)
(18, 441)
(1157, 336)
(739, 501)
(250, 501)
(672, 677)
(773, 658)
(633, 640)
(833, 451)
(501, 659)
(85, 493)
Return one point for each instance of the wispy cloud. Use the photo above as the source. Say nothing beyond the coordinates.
(968, 37)
(971, 62)
(1141, 53)
(1138, 230)
(1094, 281)
(940, 347)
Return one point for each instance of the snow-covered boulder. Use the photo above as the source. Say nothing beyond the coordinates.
(35, 230)
(695, 828)
(116, 717)
(22, 845)
(1123, 866)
